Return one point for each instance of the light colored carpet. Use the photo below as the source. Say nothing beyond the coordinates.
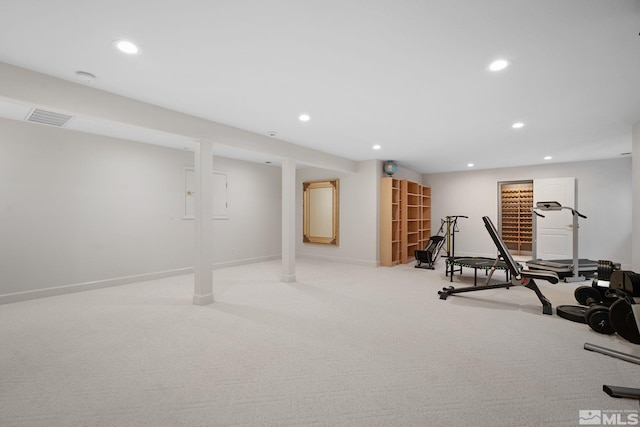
(345, 345)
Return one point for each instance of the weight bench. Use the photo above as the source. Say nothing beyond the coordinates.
(518, 277)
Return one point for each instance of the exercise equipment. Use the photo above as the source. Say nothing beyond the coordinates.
(601, 283)
(616, 391)
(597, 317)
(624, 316)
(608, 305)
(613, 353)
(452, 228)
(519, 277)
(574, 313)
(593, 295)
(600, 299)
(570, 270)
(430, 253)
(597, 300)
(593, 309)
(446, 234)
(478, 263)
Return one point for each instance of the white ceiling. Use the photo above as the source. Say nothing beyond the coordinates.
(410, 75)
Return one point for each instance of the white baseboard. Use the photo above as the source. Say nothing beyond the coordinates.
(98, 284)
(363, 262)
(219, 265)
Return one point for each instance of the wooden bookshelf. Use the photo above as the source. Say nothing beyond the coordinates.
(405, 220)
(425, 217)
(390, 222)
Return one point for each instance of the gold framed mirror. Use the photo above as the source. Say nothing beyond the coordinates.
(320, 212)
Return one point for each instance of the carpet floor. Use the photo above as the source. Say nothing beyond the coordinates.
(345, 345)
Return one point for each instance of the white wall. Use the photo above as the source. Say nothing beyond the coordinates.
(87, 211)
(358, 214)
(604, 196)
(79, 209)
(253, 231)
(636, 198)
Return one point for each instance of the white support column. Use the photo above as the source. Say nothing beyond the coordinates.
(288, 220)
(203, 271)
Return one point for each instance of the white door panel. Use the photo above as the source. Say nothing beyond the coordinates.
(553, 245)
(554, 232)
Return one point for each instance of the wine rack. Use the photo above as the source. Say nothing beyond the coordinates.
(516, 225)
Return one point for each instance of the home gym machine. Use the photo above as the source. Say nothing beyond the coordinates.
(518, 277)
(571, 269)
(446, 234)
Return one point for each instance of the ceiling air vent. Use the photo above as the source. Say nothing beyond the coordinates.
(48, 118)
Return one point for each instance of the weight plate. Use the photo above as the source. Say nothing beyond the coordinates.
(574, 313)
(584, 293)
(598, 319)
(604, 269)
(623, 321)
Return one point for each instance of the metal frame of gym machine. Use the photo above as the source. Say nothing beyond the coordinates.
(452, 229)
(444, 235)
(555, 206)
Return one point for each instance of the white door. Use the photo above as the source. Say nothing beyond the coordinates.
(554, 232)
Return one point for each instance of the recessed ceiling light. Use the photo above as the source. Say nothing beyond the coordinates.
(517, 125)
(304, 117)
(470, 165)
(548, 157)
(376, 147)
(498, 64)
(126, 47)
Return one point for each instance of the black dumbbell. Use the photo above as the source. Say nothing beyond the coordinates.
(597, 315)
(623, 319)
